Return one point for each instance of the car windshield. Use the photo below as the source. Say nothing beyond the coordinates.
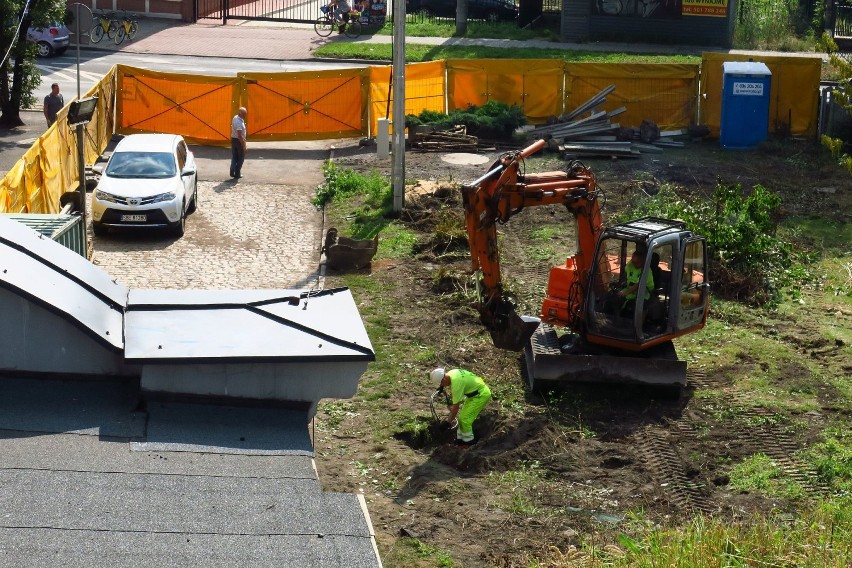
(141, 165)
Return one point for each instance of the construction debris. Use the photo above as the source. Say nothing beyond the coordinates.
(425, 137)
(595, 134)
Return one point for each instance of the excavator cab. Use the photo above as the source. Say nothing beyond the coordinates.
(648, 284)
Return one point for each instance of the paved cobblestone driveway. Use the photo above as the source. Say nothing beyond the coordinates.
(242, 235)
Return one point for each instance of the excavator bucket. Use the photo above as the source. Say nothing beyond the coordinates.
(516, 334)
(508, 330)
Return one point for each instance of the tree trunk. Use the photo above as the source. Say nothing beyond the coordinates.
(461, 17)
(10, 96)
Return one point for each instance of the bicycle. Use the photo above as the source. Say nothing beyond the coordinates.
(326, 23)
(103, 23)
(128, 27)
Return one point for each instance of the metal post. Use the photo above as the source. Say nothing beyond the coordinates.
(398, 139)
(81, 160)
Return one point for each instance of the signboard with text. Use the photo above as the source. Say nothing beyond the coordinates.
(712, 8)
(748, 89)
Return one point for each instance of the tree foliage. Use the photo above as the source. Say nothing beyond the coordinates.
(19, 77)
(748, 261)
(843, 95)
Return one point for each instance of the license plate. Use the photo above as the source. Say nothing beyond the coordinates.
(134, 218)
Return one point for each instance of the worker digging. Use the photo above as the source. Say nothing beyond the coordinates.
(468, 396)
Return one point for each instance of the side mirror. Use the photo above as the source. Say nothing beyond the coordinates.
(185, 173)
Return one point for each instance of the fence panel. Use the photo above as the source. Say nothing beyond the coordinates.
(425, 88)
(306, 105)
(536, 85)
(789, 111)
(664, 93)
(196, 106)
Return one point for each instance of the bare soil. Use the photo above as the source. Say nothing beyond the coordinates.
(561, 469)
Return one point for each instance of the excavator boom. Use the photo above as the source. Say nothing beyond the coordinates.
(499, 195)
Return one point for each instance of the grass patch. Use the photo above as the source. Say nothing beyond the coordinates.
(447, 28)
(832, 460)
(415, 53)
(814, 539)
(761, 474)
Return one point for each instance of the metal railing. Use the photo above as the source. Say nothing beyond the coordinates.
(843, 21)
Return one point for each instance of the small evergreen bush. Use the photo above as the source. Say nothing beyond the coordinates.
(492, 120)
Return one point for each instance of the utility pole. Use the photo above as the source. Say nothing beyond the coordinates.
(80, 128)
(398, 117)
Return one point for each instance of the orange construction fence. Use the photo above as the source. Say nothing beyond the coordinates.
(348, 103)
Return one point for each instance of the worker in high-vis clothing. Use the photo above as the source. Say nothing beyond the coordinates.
(468, 395)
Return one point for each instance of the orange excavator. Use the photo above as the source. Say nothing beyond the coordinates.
(613, 308)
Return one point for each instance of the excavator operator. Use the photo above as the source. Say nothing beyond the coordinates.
(633, 272)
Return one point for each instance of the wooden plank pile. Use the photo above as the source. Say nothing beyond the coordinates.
(597, 135)
(425, 137)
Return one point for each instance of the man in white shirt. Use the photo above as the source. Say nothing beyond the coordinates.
(238, 143)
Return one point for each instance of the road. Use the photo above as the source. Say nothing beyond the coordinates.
(94, 64)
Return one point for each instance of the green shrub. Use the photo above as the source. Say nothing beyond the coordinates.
(748, 261)
(341, 183)
(492, 120)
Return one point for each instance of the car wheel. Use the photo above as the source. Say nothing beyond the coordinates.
(99, 230)
(193, 205)
(44, 49)
(492, 17)
(179, 228)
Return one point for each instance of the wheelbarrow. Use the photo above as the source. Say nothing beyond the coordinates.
(342, 253)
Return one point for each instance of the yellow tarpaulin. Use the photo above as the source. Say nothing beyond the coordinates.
(198, 107)
(664, 93)
(49, 168)
(425, 85)
(306, 105)
(792, 96)
(535, 85)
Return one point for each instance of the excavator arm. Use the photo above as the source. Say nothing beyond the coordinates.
(505, 191)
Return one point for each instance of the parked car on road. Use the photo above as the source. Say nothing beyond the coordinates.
(50, 40)
(150, 180)
(490, 10)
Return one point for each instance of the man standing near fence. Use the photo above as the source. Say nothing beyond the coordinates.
(53, 103)
(238, 143)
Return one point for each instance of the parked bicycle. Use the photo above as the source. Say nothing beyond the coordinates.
(127, 28)
(103, 24)
(327, 23)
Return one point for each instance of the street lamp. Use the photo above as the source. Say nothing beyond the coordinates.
(81, 165)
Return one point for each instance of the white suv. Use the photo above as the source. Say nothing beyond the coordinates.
(149, 181)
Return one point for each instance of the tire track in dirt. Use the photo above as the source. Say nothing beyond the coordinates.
(765, 436)
(654, 445)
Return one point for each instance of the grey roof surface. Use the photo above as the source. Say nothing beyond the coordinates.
(98, 408)
(227, 430)
(236, 325)
(89, 499)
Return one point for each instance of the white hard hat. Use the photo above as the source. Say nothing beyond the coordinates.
(437, 375)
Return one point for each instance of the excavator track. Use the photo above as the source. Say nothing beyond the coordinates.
(547, 364)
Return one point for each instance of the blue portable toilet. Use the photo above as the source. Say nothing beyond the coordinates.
(745, 104)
